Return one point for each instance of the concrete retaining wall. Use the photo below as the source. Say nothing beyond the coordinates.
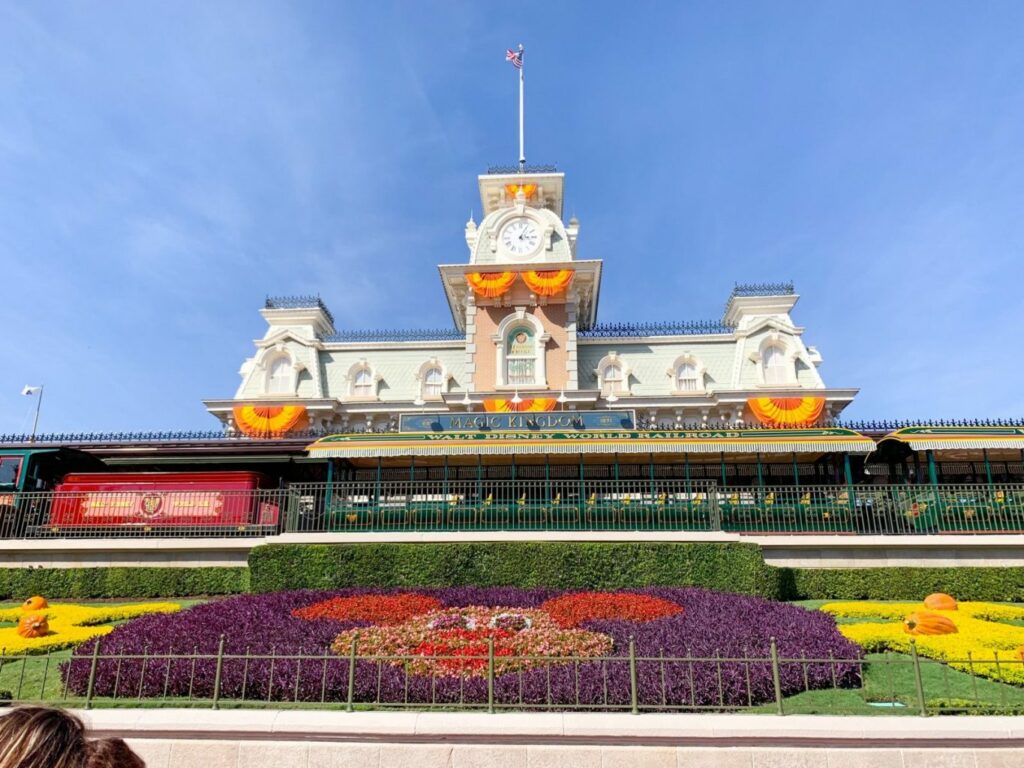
(803, 551)
(310, 739)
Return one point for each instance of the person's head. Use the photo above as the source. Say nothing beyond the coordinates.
(111, 753)
(38, 737)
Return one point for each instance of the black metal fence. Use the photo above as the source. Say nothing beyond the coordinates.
(352, 680)
(502, 504)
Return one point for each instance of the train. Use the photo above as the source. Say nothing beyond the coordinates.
(64, 491)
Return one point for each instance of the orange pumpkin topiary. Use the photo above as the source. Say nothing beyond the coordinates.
(924, 623)
(35, 603)
(940, 601)
(33, 625)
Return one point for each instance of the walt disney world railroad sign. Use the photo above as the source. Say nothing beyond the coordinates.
(576, 421)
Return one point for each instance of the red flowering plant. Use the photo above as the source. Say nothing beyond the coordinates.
(574, 609)
(377, 609)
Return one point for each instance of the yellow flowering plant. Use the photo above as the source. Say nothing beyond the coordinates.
(70, 624)
(983, 644)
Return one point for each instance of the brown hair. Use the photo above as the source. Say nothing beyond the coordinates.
(111, 753)
(38, 737)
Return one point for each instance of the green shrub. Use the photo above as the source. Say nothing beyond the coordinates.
(901, 583)
(19, 583)
(568, 565)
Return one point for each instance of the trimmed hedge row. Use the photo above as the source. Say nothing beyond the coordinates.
(724, 566)
(998, 584)
(18, 583)
(567, 565)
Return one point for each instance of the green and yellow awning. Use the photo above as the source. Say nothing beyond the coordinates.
(959, 438)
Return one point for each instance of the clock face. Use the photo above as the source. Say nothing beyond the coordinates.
(521, 236)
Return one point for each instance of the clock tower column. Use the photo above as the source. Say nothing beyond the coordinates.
(524, 294)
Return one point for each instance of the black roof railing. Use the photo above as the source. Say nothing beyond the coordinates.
(413, 334)
(762, 289)
(505, 170)
(670, 328)
(298, 302)
(891, 425)
(876, 426)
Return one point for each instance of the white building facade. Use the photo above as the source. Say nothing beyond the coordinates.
(525, 336)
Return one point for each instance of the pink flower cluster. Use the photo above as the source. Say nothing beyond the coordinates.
(455, 641)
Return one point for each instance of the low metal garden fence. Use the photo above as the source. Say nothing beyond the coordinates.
(900, 684)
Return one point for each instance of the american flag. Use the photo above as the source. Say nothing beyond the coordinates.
(516, 57)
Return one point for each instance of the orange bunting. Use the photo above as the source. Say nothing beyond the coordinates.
(787, 411)
(529, 190)
(270, 420)
(490, 285)
(533, 404)
(547, 282)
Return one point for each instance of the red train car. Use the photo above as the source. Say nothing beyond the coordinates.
(165, 500)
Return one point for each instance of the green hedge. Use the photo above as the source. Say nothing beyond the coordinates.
(576, 565)
(18, 583)
(566, 565)
(999, 584)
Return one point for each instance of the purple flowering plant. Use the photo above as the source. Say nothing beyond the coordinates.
(692, 659)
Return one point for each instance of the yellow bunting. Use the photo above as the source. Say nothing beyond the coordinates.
(533, 404)
(490, 285)
(547, 282)
(787, 411)
(270, 420)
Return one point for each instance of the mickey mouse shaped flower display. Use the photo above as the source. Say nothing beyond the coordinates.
(414, 632)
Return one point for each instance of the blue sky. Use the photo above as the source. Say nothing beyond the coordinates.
(165, 166)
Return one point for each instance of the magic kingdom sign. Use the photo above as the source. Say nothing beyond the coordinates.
(573, 421)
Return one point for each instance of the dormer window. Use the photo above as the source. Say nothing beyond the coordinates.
(363, 384)
(433, 382)
(686, 377)
(612, 380)
(613, 374)
(687, 374)
(777, 369)
(280, 376)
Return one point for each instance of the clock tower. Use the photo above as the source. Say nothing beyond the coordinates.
(523, 295)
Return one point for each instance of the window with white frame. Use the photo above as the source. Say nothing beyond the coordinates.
(363, 384)
(279, 377)
(613, 380)
(687, 377)
(776, 366)
(521, 357)
(433, 382)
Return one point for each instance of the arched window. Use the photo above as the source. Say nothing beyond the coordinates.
(433, 382)
(363, 384)
(279, 378)
(776, 366)
(687, 377)
(521, 357)
(612, 380)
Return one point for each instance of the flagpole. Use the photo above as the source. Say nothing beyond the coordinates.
(35, 422)
(522, 146)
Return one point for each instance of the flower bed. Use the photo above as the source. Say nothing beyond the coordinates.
(447, 648)
(458, 641)
(980, 638)
(71, 624)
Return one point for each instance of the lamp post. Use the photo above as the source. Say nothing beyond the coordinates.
(30, 390)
